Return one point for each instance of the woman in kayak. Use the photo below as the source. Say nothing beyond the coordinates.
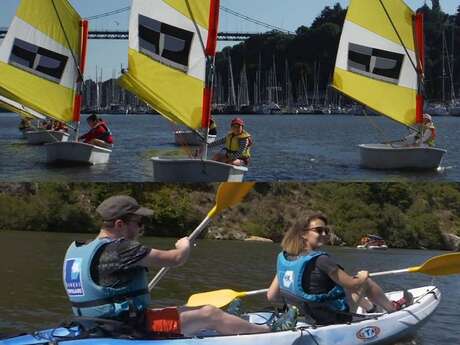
(107, 278)
(313, 281)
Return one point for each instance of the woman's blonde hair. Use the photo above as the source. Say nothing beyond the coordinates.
(293, 242)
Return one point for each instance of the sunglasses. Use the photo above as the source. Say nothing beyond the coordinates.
(320, 230)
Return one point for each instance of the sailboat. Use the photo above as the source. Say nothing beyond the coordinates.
(41, 62)
(171, 54)
(380, 63)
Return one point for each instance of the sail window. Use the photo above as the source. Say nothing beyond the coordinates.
(375, 63)
(37, 60)
(165, 43)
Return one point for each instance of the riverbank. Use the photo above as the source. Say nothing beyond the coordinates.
(406, 215)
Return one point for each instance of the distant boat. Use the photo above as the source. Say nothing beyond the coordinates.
(42, 69)
(170, 67)
(436, 109)
(454, 108)
(372, 242)
(380, 64)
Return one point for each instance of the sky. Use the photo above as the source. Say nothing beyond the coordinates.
(111, 54)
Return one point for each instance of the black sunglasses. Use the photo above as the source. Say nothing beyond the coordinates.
(320, 230)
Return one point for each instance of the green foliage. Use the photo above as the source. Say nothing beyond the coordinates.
(406, 215)
(173, 212)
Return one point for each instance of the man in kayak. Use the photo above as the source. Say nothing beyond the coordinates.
(99, 134)
(107, 278)
(313, 281)
(237, 145)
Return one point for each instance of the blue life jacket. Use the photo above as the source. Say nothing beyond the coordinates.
(91, 300)
(290, 273)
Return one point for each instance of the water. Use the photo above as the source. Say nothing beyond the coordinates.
(287, 147)
(32, 295)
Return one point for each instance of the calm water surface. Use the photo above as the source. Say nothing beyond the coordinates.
(287, 147)
(32, 295)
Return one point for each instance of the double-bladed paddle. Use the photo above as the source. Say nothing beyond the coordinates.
(440, 265)
(228, 194)
(436, 266)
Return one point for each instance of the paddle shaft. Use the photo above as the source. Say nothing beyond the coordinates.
(254, 292)
(192, 237)
(384, 273)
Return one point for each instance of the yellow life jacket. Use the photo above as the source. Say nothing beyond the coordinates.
(232, 143)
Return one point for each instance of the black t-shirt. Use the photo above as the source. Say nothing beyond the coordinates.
(316, 278)
(117, 263)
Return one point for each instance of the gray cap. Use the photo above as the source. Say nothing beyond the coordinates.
(118, 206)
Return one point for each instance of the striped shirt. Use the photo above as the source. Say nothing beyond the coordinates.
(243, 145)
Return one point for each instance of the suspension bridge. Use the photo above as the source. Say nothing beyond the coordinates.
(221, 36)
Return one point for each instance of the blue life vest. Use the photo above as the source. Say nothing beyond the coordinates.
(91, 300)
(290, 273)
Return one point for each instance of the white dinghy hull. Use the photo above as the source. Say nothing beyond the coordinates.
(77, 153)
(189, 138)
(195, 170)
(378, 329)
(387, 156)
(40, 137)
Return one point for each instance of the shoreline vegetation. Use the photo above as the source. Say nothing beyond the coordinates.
(406, 215)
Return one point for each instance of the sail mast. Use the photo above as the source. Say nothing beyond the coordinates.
(420, 51)
(84, 49)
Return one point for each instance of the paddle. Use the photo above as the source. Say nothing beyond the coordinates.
(219, 298)
(228, 194)
(436, 266)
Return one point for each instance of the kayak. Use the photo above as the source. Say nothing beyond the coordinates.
(373, 328)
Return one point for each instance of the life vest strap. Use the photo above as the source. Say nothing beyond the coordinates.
(109, 300)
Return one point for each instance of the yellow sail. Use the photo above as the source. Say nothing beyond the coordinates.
(39, 58)
(376, 67)
(168, 41)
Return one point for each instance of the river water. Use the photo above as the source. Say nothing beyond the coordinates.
(286, 147)
(32, 295)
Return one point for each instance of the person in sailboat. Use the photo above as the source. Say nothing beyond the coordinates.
(99, 133)
(60, 126)
(212, 126)
(428, 132)
(25, 124)
(311, 280)
(106, 278)
(237, 143)
(423, 135)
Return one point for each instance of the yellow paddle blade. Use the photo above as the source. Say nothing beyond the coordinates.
(439, 265)
(217, 298)
(230, 194)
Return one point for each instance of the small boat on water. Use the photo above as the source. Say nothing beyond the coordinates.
(372, 242)
(171, 54)
(380, 63)
(44, 136)
(42, 60)
(376, 328)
